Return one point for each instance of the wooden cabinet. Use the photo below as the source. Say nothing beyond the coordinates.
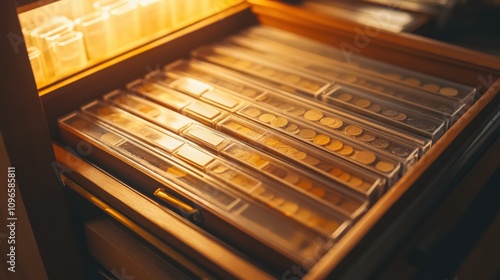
(29, 128)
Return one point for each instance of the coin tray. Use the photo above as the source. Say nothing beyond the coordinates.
(239, 61)
(279, 40)
(223, 208)
(440, 106)
(352, 204)
(279, 197)
(363, 182)
(335, 145)
(235, 85)
(387, 111)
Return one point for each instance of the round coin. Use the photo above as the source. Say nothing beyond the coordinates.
(292, 178)
(345, 176)
(384, 166)
(321, 139)
(355, 182)
(327, 121)
(414, 122)
(375, 108)
(412, 82)
(276, 202)
(346, 97)
(307, 133)
(313, 115)
(363, 103)
(298, 111)
(305, 185)
(400, 117)
(353, 130)
(335, 145)
(176, 172)
(279, 122)
(267, 118)
(338, 124)
(449, 91)
(303, 215)
(300, 155)
(390, 113)
(346, 150)
(311, 160)
(366, 137)
(291, 127)
(289, 208)
(431, 87)
(336, 171)
(252, 112)
(399, 151)
(380, 143)
(365, 157)
(319, 192)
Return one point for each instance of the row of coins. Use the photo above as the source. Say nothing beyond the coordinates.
(432, 87)
(286, 207)
(276, 144)
(374, 85)
(226, 84)
(337, 146)
(391, 113)
(334, 123)
(263, 70)
(290, 177)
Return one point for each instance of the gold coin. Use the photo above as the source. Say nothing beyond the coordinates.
(292, 79)
(338, 123)
(298, 111)
(375, 108)
(353, 130)
(305, 185)
(365, 157)
(279, 122)
(313, 115)
(385, 166)
(363, 103)
(412, 82)
(346, 150)
(335, 145)
(307, 133)
(176, 172)
(346, 97)
(291, 127)
(104, 111)
(344, 176)
(311, 160)
(319, 192)
(300, 155)
(267, 118)
(355, 181)
(321, 139)
(327, 121)
(292, 178)
(289, 208)
(449, 91)
(401, 117)
(431, 87)
(270, 142)
(264, 193)
(252, 112)
(336, 171)
(276, 202)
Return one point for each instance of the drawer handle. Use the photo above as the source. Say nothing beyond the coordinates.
(186, 210)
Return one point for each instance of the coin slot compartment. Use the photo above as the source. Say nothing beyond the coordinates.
(205, 136)
(157, 92)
